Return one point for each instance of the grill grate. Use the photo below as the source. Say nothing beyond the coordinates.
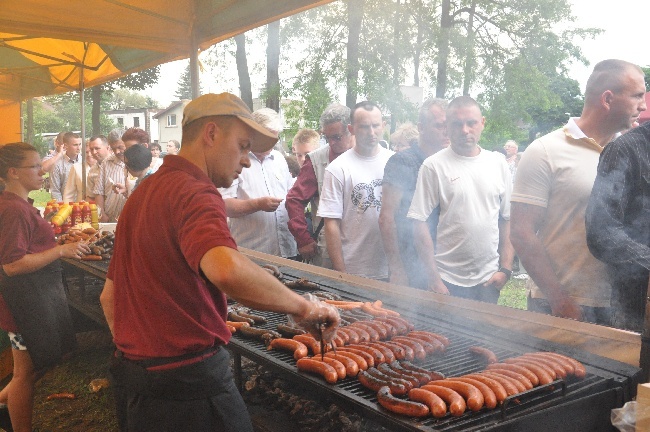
(456, 361)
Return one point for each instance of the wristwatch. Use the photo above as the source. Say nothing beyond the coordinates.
(506, 272)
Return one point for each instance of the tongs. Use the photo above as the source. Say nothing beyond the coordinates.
(322, 342)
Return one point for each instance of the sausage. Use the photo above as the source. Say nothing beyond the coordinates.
(369, 309)
(455, 401)
(541, 371)
(298, 348)
(312, 344)
(259, 333)
(231, 329)
(234, 316)
(436, 405)
(318, 367)
(257, 319)
(91, 258)
(391, 382)
(511, 385)
(343, 336)
(432, 374)
(400, 406)
(500, 392)
(272, 270)
(351, 366)
(437, 336)
(374, 336)
(485, 353)
(472, 395)
(399, 347)
(387, 370)
(353, 337)
(337, 365)
(377, 355)
(430, 344)
(568, 367)
(416, 346)
(399, 327)
(290, 331)
(421, 377)
(390, 329)
(516, 368)
(370, 360)
(302, 283)
(60, 396)
(388, 354)
(382, 332)
(525, 382)
(579, 368)
(364, 336)
(489, 398)
(556, 366)
(237, 324)
(373, 383)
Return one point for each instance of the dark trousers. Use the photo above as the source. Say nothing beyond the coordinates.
(478, 292)
(596, 315)
(198, 397)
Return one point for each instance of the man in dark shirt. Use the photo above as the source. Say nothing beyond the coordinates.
(618, 223)
(400, 177)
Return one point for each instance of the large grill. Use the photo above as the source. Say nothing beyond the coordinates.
(576, 405)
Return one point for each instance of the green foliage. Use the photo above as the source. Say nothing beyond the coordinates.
(123, 98)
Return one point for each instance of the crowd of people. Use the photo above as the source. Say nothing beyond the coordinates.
(436, 211)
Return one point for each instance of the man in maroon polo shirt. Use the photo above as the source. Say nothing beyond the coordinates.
(165, 292)
(306, 190)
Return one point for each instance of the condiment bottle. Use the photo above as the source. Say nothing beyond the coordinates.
(85, 213)
(94, 216)
(62, 215)
(76, 214)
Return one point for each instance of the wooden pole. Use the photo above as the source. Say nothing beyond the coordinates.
(644, 359)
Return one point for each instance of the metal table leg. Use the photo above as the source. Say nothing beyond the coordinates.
(237, 371)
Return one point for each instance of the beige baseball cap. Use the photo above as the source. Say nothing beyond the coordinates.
(228, 104)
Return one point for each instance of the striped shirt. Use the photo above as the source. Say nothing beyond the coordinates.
(59, 175)
(111, 172)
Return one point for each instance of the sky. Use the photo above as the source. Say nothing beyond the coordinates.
(626, 36)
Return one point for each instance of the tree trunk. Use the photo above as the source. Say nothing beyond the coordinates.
(443, 48)
(355, 19)
(96, 97)
(468, 75)
(29, 107)
(272, 66)
(420, 17)
(395, 60)
(242, 71)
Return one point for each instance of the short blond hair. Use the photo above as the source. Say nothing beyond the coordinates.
(306, 136)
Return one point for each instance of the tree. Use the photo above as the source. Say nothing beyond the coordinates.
(184, 90)
(123, 98)
(242, 70)
(355, 20)
(272, 66)
(646, 72)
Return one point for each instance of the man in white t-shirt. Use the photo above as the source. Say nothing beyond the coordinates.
(472, 187)
(351, 198)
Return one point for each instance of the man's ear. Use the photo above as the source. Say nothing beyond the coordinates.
(210, 130)
(606, 98)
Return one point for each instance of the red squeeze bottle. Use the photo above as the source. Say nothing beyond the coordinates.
(76, 214)
(85, 213)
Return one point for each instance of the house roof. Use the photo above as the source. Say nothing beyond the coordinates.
(170, 107)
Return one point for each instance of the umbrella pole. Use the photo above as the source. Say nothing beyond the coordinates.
(644, 359)
(83, 135)
(194, 67)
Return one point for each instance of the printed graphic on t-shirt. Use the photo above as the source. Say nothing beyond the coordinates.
(366, 195)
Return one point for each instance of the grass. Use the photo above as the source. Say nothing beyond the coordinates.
(513, 294)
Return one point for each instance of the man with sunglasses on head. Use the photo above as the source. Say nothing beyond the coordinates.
(309, 183)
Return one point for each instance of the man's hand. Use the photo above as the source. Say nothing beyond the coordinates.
(320, 319)
(566, 307)
(119, 189)
(498, 280)
(438, 287)
(308, 251)
(268, 204)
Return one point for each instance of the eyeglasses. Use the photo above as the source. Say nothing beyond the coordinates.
(334, 138)
(38, 167)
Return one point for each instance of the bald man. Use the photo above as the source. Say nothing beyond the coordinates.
(554, 181)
